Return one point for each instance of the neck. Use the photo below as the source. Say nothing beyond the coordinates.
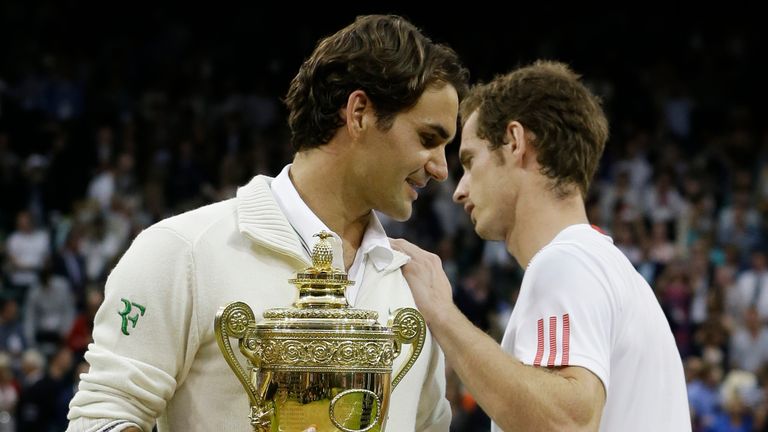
(322, 181)
(538, 219)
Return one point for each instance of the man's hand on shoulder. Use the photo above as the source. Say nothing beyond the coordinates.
(426, 278)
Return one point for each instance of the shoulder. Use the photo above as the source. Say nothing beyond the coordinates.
(179, 236)
(559, 268)
(191, 226)
(166, 253)
(579, 261)
(253, 200)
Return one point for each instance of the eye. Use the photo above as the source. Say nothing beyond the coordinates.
(466, 163)
(429, 140)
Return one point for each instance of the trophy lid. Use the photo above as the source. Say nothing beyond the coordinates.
(321, 291)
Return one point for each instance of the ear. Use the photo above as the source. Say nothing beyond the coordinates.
(354, 112)
(517, 139)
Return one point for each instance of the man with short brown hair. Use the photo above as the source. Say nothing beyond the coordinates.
(371, 112)
(587, 346)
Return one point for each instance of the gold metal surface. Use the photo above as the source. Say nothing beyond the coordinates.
(321, 362)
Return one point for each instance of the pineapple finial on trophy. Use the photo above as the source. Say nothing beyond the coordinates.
(322, 253)
(321, 285)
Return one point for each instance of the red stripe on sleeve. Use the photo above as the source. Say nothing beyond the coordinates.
(552, 341)
(566, 338)
(540, 344)
(598, 229)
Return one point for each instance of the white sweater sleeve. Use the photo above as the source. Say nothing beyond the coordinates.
(434, 413)
(84, 424)
(145, 333)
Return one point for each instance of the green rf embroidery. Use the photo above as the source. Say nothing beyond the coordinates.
(129, 305)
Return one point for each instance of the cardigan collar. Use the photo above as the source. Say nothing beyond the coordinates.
(261, 219)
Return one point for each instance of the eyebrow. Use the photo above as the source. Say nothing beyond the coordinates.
(439, 129)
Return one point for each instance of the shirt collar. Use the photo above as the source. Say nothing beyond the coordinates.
(375, 244)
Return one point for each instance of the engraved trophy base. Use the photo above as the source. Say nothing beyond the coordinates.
(328, 401)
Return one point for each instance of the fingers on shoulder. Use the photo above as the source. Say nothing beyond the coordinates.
(399, 243)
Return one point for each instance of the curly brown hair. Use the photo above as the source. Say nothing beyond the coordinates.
(569, 128)
(385, 56)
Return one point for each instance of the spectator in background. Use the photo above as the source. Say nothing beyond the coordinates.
(38, 400)
(28, 250)
(662, 249)
(65, 395)
(82, 329)
(674, 294)
(619, 200)
(12, 340)
(32, 368)
(739, 226)
(662, 201)
(737, 396)
(49, 313)
(703, 384)
(749, 343)
(9, 395)
(69, 263)
(751, 289)
(475, 297)
(10, 180)
(635, 161)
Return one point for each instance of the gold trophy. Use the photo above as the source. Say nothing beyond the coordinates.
(320, 363)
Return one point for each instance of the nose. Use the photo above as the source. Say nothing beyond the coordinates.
(462, 191)
(437, 166)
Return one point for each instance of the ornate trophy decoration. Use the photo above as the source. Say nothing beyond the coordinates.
(321, 362)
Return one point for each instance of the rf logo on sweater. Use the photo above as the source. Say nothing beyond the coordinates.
(129, 305)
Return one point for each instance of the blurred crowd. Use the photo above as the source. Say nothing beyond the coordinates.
(94, 148)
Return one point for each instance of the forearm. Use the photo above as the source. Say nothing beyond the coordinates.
(516, 396)
(86, 424)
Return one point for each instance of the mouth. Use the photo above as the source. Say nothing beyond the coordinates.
(469, 208)
(416, 184)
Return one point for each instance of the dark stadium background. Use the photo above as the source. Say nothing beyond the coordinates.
(175, 105)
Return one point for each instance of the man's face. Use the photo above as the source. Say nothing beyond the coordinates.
(397, 163)
(485, 190)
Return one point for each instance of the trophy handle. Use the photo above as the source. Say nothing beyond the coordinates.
(232, 321)
(409, 328)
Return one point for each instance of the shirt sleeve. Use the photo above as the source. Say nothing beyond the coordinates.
(145, 333)
(566, 316)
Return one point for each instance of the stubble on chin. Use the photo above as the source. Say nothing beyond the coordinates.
(399, 212)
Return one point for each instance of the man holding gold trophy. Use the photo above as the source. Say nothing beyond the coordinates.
(371, 112)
